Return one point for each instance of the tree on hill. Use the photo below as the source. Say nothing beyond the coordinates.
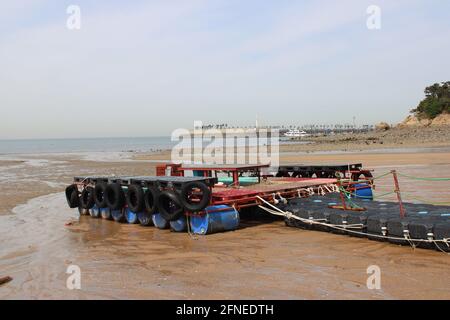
(437, 101)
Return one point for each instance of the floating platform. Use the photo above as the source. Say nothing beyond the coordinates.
(198, 203)
(425, 226)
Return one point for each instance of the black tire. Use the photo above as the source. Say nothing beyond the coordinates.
(115, 197)
(99, 195)
(296, 174)
(185, 194)
(320, 174)
(282, 174)
(151, 200)
(87, 198)
(73, 196)
(135, 198)
(169, 205)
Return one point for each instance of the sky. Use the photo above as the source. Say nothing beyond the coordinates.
(145, 68)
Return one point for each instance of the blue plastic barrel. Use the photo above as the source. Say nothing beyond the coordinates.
(160, 222)
(363, 191)
(145, 218)
(131, 216)
(213, 222)
(94, 212)
(83, 212)
(179, 225)
(118, 215)
(106, 213)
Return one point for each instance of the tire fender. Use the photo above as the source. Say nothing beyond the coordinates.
(99, 195)
(115, 196)
(73, 196)
(87, 198)
(185, 195)
(169, 205)
(135, 198)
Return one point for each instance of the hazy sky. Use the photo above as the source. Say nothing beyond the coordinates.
(141, 68)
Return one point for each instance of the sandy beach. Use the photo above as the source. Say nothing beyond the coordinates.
(261, 260)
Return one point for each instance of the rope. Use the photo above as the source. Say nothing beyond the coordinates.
(382, 175)
(192, 235)
(424, 179)
(400, 174)
(349, 200)
(290, 215)
(426, 201)
(366, 197)
(369, 178)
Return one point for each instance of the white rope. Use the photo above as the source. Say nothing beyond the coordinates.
(284, 200)
(312, 221)
(188, 221)
(274, 198)
(445, 240)
(290, 215)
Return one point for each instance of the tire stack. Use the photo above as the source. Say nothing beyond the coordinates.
(148, 204)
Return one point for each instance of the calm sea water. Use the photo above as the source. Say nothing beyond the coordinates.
(140, 144)
(84, 145)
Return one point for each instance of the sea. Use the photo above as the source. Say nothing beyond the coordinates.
(138, 144)
(133, 144)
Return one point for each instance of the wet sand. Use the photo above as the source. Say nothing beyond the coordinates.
(262, 260)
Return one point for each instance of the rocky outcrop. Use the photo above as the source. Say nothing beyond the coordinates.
(382, 126)
(442, 119)
(413, 120)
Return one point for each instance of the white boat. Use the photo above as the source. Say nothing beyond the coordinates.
(294, 133)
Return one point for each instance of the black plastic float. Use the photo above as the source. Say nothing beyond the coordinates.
(380, 221)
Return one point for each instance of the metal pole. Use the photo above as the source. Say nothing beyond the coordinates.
(397, 191)
(341, 194)
(236, 178)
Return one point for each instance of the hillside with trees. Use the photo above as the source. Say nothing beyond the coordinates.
(435, 103)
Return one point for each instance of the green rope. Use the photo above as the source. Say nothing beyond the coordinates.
(425, 179)
(425, 201)
(382, 175)
(348, 193)
(349, 200)
(369, 178)
(400, 174)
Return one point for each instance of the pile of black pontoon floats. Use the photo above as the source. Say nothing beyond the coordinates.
(196, 204)
(424, 226)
